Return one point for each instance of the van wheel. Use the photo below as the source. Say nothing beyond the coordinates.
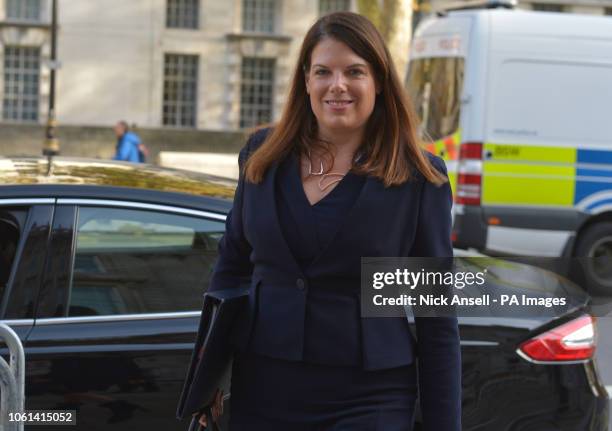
(594, 247)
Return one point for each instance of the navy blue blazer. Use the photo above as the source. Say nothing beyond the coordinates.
(413, 219)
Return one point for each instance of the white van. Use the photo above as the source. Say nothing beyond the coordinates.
(519, 104)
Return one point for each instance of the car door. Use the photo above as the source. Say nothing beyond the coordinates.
(118, 311)
(24, 234)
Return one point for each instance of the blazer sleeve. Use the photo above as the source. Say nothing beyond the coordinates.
(233, 267)
(439, 352)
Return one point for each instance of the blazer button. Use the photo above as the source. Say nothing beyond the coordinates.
(300, 284)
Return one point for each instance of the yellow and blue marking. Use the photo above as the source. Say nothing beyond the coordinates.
(547, 176)
(531, 175)
(594, 183)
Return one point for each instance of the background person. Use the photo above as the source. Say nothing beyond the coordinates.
(143, 151)
(127, 143)
(342, 175)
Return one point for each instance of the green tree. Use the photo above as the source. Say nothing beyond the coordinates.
(383, 13)
(393, 18)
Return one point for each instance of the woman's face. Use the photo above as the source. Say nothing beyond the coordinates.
(341, 87)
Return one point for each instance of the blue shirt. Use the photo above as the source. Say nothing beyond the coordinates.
(127, 148)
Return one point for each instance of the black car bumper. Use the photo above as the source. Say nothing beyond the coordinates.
(469, 228)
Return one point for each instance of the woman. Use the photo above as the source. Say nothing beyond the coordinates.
(341, 176)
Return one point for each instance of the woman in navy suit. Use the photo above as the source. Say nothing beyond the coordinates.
(340, 176)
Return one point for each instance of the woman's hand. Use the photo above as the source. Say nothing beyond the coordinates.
(216, 409)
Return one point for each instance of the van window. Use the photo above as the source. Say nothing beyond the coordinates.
(435, 85)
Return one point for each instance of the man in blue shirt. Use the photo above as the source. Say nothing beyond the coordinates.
(128, 144)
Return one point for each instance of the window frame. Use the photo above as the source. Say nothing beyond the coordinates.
(330, 6)
(179, 101)
(249, 111)
(255, 23)
(19, 82)
(22, 8)
(183, 9)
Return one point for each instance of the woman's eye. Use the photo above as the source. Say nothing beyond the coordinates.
(352, 72)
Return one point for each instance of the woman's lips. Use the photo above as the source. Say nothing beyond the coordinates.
(339, 105)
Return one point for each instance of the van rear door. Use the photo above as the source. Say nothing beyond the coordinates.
(435, 82)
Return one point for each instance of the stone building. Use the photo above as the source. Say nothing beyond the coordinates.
(196, 64)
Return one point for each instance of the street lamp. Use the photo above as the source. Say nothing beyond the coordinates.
(51, 147)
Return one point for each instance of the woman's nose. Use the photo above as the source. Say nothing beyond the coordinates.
(338, 82)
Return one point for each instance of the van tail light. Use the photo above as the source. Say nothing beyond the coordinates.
(469, 178)
(573, 341)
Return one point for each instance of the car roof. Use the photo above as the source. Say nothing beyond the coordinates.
(61, 177)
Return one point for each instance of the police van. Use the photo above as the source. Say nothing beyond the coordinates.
(519, 105)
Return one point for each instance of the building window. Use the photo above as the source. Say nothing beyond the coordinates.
(21, 83)
(608, 11)
(180, 90)
(329, 6)
(258, 15)
(24, 10)
(182, 13)
(256, 91)
(548, 7)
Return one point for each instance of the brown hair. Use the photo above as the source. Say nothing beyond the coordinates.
(391, 147)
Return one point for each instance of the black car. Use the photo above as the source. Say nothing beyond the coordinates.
(102, 270)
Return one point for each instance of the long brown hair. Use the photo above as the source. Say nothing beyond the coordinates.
(390, 146)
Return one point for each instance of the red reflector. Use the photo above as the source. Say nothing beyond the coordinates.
(460, 200)
(468, 189)
(470, 150)
(454, 236)
(572, 341)
(469, 179)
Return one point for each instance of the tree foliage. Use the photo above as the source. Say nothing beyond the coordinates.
(383, 13)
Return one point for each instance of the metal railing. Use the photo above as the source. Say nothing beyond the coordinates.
(12, 381)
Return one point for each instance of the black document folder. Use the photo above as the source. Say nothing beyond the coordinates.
(222, 328)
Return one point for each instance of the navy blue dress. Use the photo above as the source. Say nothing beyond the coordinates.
(274, 394)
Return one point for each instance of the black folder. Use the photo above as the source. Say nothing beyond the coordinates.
(222, 329)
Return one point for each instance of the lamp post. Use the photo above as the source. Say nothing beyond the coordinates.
(51, 147)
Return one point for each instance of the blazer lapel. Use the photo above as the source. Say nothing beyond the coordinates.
(268, 232)
(292, 192)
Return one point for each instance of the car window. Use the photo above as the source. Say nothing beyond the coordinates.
(136, 261)
(10, 232)
(9, 238)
